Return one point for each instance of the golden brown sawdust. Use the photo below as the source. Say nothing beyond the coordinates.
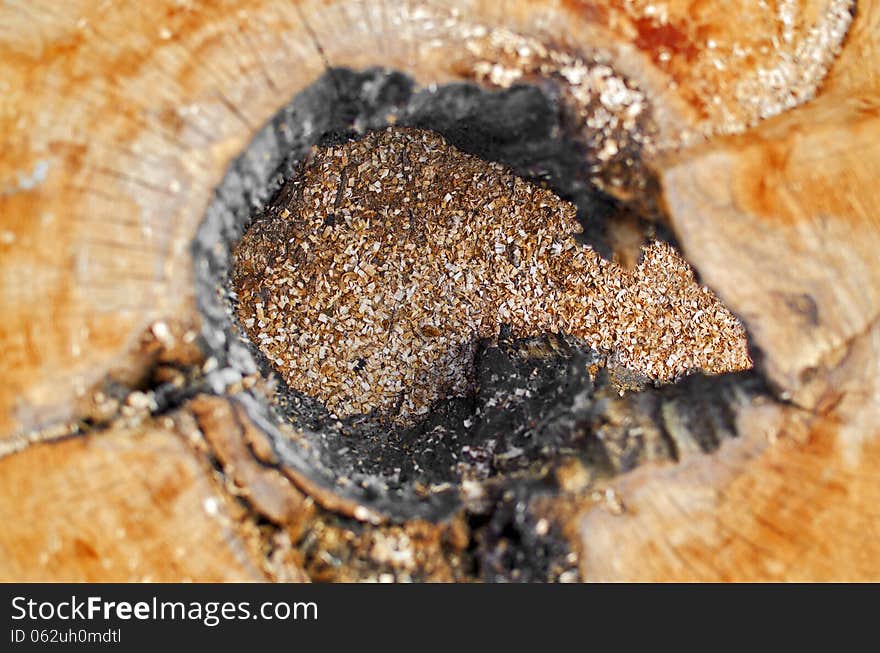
(392, 255)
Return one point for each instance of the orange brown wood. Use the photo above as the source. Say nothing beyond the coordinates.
(117, 122)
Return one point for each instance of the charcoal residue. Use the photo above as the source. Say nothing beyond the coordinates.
(531, 404)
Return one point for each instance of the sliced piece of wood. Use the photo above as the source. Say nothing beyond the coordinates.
(128, 504)
(118, 121)
(795, 498)
(782, 223)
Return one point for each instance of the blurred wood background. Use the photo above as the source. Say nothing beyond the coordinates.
(117, 120)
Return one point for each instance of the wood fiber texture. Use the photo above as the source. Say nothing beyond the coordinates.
(118, 122)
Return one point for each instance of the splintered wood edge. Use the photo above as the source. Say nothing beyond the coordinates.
(275, 491)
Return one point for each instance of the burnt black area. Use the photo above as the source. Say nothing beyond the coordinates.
(511, 544)
(522, 414)
(532, 402)
(384, 465)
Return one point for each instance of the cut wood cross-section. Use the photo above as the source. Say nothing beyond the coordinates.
(118, 123)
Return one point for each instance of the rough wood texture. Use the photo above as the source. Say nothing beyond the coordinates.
(794, 499)
(117, 122)
(133, 504)
(782, 222)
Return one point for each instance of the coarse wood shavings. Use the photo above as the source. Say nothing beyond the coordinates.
(369, 285)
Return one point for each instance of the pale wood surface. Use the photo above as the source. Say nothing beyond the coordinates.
(126, 505)
(783, 223)
(118, 121)
(794, 498)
